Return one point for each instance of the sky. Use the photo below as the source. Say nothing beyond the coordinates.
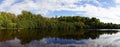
(105, 10)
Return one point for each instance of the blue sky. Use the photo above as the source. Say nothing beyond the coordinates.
(105, 10)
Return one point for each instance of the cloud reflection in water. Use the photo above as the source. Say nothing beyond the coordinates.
(105, 40)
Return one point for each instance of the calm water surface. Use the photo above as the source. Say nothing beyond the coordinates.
(60, 38)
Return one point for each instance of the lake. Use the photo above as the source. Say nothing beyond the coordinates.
(60, 38)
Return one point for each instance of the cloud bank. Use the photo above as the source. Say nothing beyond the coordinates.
(105, 10)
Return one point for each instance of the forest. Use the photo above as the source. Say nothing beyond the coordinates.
(28, 20)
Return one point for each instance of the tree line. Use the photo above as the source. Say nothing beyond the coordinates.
(27, 20)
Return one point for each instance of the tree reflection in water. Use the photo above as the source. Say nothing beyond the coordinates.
(56, 36)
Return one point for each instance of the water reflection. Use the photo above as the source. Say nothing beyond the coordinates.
(59, 38)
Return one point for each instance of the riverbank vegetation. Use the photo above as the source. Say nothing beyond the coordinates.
(27, 20)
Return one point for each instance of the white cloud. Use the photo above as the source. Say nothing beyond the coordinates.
(6, 4)
(44, 7)
(105, 15)
(117, 1)
(25, 5)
